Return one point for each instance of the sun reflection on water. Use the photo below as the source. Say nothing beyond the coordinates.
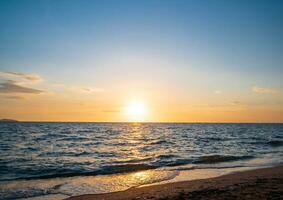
(142, 176)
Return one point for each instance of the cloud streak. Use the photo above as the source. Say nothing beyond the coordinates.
(26, 77)
(217, 92)
(91, 90)
(264, 90)
(14, 97)
(16, 82)
(12, 87)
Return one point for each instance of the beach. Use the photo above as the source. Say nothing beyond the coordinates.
(266, 183)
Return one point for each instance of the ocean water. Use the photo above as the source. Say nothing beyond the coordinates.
(57, 160)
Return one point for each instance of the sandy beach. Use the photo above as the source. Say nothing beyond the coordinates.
(256, 184)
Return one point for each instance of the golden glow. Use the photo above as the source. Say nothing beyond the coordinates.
(136, 110)
(136, 105)
(140, 174)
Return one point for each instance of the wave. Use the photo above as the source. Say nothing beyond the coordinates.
(12, 194)
(219, 158)
(113, 169)
(158, 142)
(167, 156)
(179, 162)
(272, 143)
(67, 154)
(106, 170)
(134, 161)
(188, 168)
(171, 160)
(130, 167)
(275, 143)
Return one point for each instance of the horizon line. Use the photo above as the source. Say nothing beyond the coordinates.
(148, 122)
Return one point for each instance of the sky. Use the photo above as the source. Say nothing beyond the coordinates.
(143, 60)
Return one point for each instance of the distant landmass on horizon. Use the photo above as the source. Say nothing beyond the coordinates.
(8, 120)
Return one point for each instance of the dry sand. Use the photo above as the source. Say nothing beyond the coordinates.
(256, 184)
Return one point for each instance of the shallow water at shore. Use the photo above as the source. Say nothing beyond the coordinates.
(61, 188)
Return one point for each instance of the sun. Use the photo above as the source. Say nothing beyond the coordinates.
(136, 110)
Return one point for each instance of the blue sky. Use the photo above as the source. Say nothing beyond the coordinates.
(190, 45)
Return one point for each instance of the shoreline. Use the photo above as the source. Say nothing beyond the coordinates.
(263, 183)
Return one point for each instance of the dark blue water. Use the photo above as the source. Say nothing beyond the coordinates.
(45, 150)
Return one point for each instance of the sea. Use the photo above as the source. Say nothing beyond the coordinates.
(51, 160)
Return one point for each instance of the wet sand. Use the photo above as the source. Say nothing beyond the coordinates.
(256, 184)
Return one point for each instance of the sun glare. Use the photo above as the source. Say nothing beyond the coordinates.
(136, 111)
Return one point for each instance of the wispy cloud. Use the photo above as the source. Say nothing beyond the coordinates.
(217, 92)
(12, 87)
(225, 105)
(17, 82)
(91, 90)
(235, 103)
(112, 111)
(14, 97)
(264, 90)
(21, 77)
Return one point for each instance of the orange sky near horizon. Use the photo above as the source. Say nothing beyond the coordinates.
(79, 104)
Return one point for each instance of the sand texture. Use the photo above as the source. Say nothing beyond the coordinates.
(254, 184)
